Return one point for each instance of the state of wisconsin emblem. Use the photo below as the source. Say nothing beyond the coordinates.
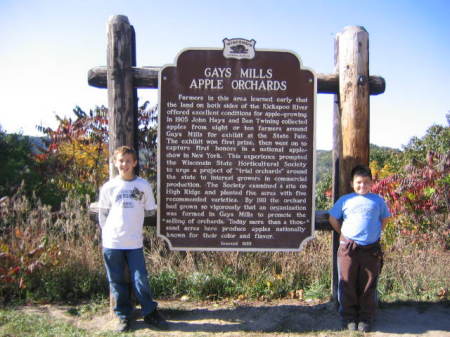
(239, 48)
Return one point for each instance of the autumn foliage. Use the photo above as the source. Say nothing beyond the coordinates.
(76, 157)
(417, 187)
(51, 252)
(420, 190)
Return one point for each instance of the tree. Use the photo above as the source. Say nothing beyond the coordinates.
(384, 161)
(418, 194)
(436, 139)
(76, 157)
(16, 161)
(76, 154)
(147, 141)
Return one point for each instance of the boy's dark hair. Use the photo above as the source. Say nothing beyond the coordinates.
(361, 171)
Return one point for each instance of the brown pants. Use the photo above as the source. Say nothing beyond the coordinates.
(358, 268)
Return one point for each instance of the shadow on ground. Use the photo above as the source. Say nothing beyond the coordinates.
(413, 317)
(393, 318)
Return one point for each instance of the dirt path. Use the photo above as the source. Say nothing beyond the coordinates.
(280, 318)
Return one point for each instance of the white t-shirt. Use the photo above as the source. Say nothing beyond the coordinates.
(127, 201)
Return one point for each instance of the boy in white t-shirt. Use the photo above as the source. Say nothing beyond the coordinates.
(122, 205)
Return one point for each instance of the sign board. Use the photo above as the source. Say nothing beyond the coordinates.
(236, 150)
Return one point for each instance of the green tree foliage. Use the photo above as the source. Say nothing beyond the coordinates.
(19, 165)
(384, 161)
(17, 162)
(323, 164)
(436, 139)
(147, 141)
(385, 158)
(324, 198)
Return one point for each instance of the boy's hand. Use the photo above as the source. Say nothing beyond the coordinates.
(150, 213)
(335, 223)
(102, 215)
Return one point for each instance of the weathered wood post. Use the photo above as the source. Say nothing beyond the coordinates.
(122, 103)
(122, 95)
(351, 115)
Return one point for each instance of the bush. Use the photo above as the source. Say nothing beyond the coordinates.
(47, 255)
(415, 268)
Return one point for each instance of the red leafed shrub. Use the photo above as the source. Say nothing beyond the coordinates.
(418, 196)
(23, 256)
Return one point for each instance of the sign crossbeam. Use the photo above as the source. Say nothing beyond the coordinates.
(147, 78)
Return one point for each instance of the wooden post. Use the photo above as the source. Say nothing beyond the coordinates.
(353, 64)
(121, 92)
(337, 145)
(122, 96)
(351, 115)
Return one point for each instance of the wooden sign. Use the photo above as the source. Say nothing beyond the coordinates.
(236, 150)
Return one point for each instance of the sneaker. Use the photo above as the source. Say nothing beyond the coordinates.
(349, 325)
(123, 325)
(156, 320)
(364, 326)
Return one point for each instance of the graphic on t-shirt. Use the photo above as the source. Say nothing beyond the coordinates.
(134, 194)
(364, 211)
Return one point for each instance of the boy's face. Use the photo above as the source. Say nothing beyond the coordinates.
(125, 164)
(361, 184)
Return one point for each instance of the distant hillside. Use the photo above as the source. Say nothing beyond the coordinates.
(324, 159)
(324, 163)
(37, 144)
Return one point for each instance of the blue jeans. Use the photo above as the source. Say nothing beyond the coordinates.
(115, 262)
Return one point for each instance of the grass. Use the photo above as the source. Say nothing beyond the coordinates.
(216, 275)
(14, 323)
(415, 271)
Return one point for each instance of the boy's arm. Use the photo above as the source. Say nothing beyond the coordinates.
(102, 215)
(150, 203)
(335, 223)
(104, 204)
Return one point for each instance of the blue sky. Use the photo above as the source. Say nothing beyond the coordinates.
(48, 46)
